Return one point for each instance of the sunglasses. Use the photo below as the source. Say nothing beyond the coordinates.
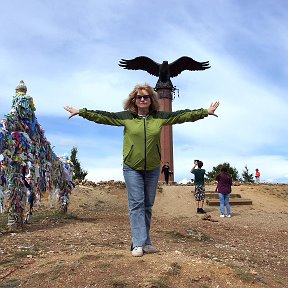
(145, 97)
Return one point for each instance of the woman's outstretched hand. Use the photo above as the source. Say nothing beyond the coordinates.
(212, 108)
(72, 111)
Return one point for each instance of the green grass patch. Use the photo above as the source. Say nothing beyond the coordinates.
(117, 256)
(175, 269)
(54, 215)
(118, 283)
(56, 271)
(192, 236)
(244, 275)
(3, 221)
(105, 265)
(5, 261)
(15, 257)
(39, 216)
(89, 257)
(159, 283)
(10, 283)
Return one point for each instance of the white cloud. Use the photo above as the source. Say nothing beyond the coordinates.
(67, 52)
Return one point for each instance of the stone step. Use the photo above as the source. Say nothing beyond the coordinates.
(211, 195)
(233, 201)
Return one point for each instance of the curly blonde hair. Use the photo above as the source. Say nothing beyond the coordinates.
(129, 103)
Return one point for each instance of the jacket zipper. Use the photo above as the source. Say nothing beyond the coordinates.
(145, 143)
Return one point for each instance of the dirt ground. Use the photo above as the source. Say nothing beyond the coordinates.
(89, 246)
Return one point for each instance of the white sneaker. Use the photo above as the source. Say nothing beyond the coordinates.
(222, 216)
(149, 249)
(228, 216)
(137, 251)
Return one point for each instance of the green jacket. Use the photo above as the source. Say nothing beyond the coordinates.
(141, 145)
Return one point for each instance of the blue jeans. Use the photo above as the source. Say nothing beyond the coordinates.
(141, 187)
(224, 201)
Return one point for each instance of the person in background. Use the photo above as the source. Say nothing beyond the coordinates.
(30, 200)
(257, 176)
(199, 183)
(3, 179)
(38, 193)
(142, 122)
(224, 183)
(3, 184)
(1, 194)
(166, 171)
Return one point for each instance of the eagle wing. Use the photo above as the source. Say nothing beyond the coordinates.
(141, 63)
(186, 63)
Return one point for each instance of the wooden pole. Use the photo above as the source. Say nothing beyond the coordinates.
(165, 100)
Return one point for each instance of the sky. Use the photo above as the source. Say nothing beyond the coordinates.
(67, 53)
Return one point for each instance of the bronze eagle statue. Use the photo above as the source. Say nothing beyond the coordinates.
(164, 71)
